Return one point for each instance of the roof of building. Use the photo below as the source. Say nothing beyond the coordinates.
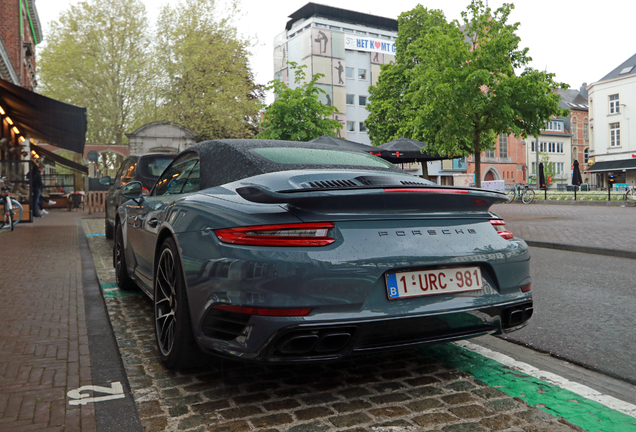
(343, 15)
(627, 68)
(573, 100)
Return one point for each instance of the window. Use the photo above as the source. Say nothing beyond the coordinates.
(129, 170)
(614, 107)
(534, 167)
(346, 30)
(321, 26)
(351, 126)
(350, 99)
(555, 126)
(385, 37)
(490, 154)
(503, 146)
(362, 127)
(575, 154)
(615, 134)
(192, 184)
(362, 100)
(350, 72)
(176, 175)
(361, 32)
(334, 28)
(586, 155)
(373, 35)
(585, 132)
(362, 74)
(575, 134)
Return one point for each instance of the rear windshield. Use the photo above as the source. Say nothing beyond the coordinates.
(305, 156)
(153, 166)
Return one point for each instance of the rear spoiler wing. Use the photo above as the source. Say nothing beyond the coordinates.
(392, 198)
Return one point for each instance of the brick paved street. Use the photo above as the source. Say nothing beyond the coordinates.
(43, 343)
(408, 390)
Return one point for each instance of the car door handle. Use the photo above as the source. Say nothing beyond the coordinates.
(152, 223)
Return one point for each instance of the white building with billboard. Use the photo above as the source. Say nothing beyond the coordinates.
(348, 47)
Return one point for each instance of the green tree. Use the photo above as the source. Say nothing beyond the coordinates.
(549, 170)
(95, 56)
(463, 89)
(206, 83)
(297, 114)
(388, 110)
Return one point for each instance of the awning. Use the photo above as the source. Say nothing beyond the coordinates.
(59, 159)
(616, 165)
(43, 118)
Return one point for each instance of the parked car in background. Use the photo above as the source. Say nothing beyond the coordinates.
(277, 251)
(145, 169)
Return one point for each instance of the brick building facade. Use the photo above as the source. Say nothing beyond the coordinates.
(20, 32)
(506, 162)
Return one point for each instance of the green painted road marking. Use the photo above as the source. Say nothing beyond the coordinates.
(586, 414)
(96, 235)
(111, 290)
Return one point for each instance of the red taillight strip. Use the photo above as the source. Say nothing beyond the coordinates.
(295, 237)
(264, 311)
(499, 225)
(526, 288)
(416, 190)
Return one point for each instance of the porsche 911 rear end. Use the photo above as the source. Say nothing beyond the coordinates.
(321, 270)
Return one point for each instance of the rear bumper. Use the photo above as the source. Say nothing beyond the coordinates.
(327, 341)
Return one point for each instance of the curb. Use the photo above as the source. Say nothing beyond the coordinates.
(106, 362)
(583, 249)
(574, 203)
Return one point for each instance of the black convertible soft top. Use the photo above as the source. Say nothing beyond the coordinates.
(225, 161)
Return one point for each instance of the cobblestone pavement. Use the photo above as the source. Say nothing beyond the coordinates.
(408, 390)
(603, 226)
(43, 342)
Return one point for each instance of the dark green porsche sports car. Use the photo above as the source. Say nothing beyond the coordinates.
(276, 251)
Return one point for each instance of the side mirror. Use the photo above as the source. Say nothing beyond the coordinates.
(132, 190)
(105, 181)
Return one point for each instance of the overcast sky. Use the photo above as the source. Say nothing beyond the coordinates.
(579, 41)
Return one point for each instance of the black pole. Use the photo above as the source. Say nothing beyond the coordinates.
(575, 192)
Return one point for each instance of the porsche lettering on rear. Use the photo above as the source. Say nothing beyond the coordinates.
(430, 232)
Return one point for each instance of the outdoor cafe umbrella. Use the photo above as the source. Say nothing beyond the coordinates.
(405, 150)
(541, 177)
(576, 174)
(343, 144)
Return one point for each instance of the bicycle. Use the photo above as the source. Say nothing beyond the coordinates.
(630, 197)
(9, 207)
(522, 192)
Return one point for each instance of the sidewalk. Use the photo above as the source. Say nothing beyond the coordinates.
(603, 230)
(44, 343)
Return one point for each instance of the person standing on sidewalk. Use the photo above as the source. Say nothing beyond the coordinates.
(36, 184)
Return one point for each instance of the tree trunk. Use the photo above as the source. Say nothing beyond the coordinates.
(477, 156)
(425, 170)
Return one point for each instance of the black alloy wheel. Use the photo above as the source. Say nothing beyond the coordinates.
(124, 282)
(173, 327)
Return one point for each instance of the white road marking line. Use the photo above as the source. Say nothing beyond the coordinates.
(580, 389)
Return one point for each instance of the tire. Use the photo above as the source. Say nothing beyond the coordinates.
(124, 282)
(528, 196)
(108, 230)
(7, 221)
(629, 199)
(173, 327)
(511, 196)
